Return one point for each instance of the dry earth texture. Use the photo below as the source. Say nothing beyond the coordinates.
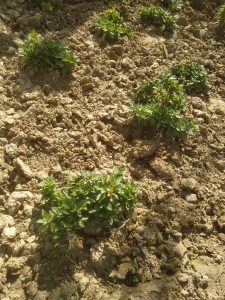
(172, 245)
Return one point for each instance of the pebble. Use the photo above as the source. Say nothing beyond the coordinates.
(189, 184)
(220, 164)
(183, 278)
(15, 201)
(119, 50)
(192, 198)
(197, 103)
(121, 272)
(11, 149)
(179, 250)
(23, 168)
(9, 232)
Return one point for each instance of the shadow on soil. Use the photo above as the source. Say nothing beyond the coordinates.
(6, 42)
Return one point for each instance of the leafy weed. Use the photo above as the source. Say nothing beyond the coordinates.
(110, 26)
(158, 17)
(38, 52)
(88, 196)
(191, 75)
(161, 101)
(173, 5)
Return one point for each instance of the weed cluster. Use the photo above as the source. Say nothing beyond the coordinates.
(191, 75)
(161, 103)
(158, 17)
(110, 26)
(173, 5)
(106, 198)
(39, 52)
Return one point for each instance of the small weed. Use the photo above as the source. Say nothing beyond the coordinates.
(158, 17)
(173, 5)
(221, 18)
(46, 5)
(106, 198)
(191, 75)
(161, 102)
(111, 27)
(39, 52)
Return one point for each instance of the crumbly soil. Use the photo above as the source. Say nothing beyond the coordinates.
(172, 244)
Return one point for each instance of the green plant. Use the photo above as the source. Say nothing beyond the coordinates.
(158, 17)
(191, 75)
(221, 17)
(87, 196)
(110, 25)
(46, 5)
(161, 101)
(173, 5)
(39, 52)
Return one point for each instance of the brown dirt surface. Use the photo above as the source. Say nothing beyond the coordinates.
(172, 245)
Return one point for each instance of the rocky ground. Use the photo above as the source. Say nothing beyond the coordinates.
(172, 245)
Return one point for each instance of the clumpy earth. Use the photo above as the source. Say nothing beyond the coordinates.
(172, 245)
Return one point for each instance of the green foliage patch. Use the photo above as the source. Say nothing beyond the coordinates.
(221, 17)
(46, 5)
(110, 26)
(161, 102)
(191, 75)
(106, 198)
(39, 52)
(158, 17)
(173, 5)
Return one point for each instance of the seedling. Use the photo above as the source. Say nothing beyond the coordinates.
(221, 17)
(110, 26)
(161, 102)
(106, 198)
(173, 5)
(158, 17)
(191, 75)
(38, 52)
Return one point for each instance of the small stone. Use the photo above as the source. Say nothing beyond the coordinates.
(6, 221)
(179, 250)
(11, 150)
(41, 295)
(183, 278)
(189, 184)
(121, 272)
(204, 281)
(15, 201)
(113, 56)
(143, 148)
(192, 198)
(118, 49)
(201, 114)
(88, 86)
(9, 121)
(197, 103)
(184, 293)
(9, 232)
(23, 168)
(220, 164)
(222, 237)
(161, 168)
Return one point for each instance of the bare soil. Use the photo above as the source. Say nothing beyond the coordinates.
(172, 245)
